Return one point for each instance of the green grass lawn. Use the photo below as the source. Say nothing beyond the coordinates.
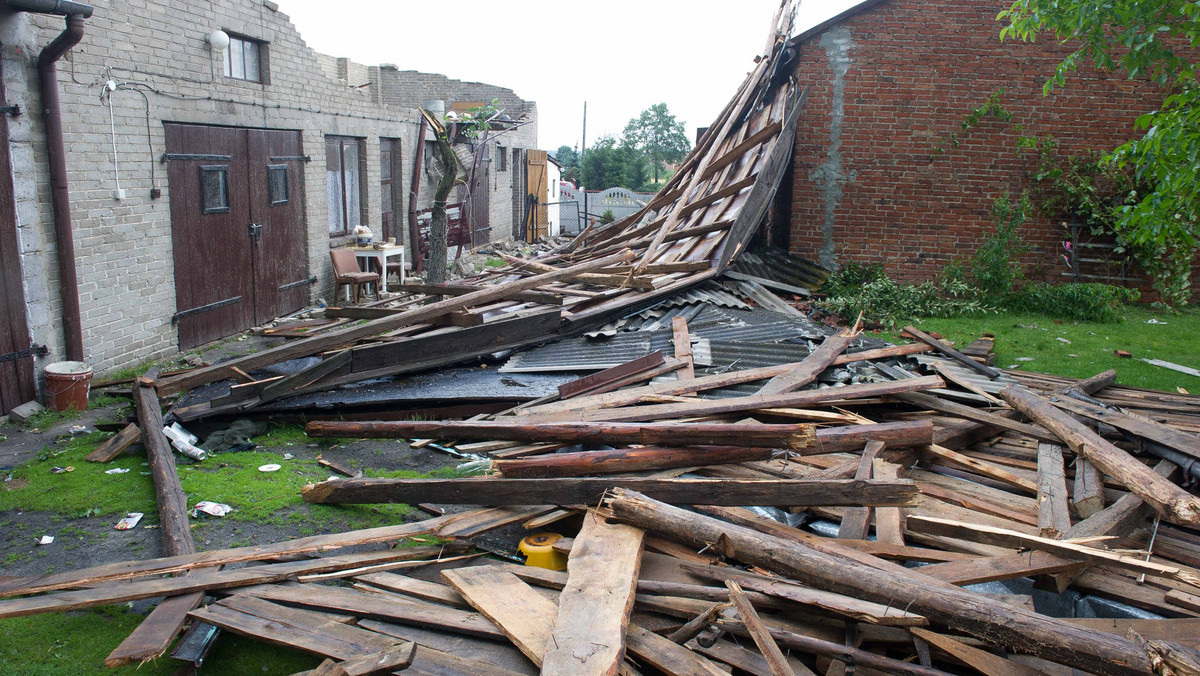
(1176, 338)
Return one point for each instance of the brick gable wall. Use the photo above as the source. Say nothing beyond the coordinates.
(891, 83)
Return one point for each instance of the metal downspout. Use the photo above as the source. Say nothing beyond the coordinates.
(59, 192)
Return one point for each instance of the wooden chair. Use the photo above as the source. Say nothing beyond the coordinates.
(346, 273)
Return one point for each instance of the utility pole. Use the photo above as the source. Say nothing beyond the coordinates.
(582, 152)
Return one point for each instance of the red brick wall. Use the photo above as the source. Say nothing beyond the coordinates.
(914, 70)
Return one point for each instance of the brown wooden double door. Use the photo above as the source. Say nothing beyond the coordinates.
(237, 226)
(17, 384)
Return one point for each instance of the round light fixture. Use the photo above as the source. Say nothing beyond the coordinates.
(218, 40)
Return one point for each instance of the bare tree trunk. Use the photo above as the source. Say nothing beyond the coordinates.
(437, 228)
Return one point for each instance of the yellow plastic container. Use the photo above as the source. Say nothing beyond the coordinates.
(539, 551)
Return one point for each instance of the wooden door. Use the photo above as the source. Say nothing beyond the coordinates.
(17, 382)
(237, 228)
(210, 217)
(479, 215)
(535, 191)
(390, 179)
(277, 215)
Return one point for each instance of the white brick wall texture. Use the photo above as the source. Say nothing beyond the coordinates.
(156, 49)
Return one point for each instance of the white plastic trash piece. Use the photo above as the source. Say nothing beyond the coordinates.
(270, 467)
(211, 508)
(288, 456)
(129, 522)
(185, 442)
(45, 539)
(116, 470)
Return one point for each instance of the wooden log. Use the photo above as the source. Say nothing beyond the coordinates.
(155, 633)
(951, 352)
(582, 491)
(683, 348)
(811, 367)
(462, 289)
(595, 381)
(995, 622)
(1170, 500)
(635, 459)
(1054, 517)
(1123, 516)
(888, 522)
(333, 339)
(758, 631)
(754, 402)
(625, 281)
(929, 401)
(1141, 427)
(691, 434)
(1002, 537)
(692, 628)
(902, 434)
(116, 445)
(594, 607)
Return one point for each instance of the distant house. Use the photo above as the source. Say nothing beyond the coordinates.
(211, 160)
(885, 171)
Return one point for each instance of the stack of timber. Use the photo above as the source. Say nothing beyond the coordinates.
(690, 232)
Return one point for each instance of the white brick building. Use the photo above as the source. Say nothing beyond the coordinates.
(128, 252)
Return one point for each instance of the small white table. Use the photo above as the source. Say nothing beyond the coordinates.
(381, 255)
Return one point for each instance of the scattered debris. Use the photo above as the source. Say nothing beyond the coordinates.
(1122, 354)
(210, 508)
(117, 470)
(270, 467)
(129, 522)
(45, 539)
(25, 411)
(1174, 367)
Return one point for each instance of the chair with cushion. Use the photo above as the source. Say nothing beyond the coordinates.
(346, 273)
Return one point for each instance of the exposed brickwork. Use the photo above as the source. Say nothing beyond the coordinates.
(124, 248)
(890, 84)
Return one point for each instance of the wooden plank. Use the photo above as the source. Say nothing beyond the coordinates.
(987, 469)
(116, 445)
(1170, 500)
(995, 568)
(577, 491)
(981, 660)
(954, 354)
(377, 664)
(1054, 517)
(499, 655)
(888, 527)
(633, 459)
(1124, 515)
(385, 607)
(683, 348)
(197, 581)
(759, 632)
(414, 587)
(592, 382)
(1002, 537)
(856, 519)
(1141, 427)
(965, 412)
(594, 607)
(810, 367)
(525, 617)
(461, 289)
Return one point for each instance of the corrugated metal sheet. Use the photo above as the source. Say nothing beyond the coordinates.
(780, 266)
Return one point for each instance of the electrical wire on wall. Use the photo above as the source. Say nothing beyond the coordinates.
(106, 93)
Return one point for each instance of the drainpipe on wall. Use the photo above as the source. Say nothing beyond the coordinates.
(59, 192)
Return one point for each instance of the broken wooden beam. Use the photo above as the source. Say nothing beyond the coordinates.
(954, 354)
(116, 445)
(1170, 500)
(462, 289)
(578, 491)
(793, 436)
(634, 459)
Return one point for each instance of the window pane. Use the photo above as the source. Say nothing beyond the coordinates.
(333, 180)
(251, 60)
(385, 165)
(214, 189)
(352, 192)
(237, 66)
(229, 58)
(385, 199)
(277, 184)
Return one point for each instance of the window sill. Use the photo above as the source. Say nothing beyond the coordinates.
(339, 241)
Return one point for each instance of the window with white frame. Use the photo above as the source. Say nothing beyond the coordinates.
(244, 59)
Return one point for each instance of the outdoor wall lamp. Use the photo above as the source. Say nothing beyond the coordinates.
(218, 40)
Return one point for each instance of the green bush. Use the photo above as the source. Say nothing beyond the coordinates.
(850, 277)
(1082, 302)
(995, 270)
(884, 301)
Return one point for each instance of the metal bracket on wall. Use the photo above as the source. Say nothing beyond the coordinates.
(289, 158)
(167, 157)
(204, 308)
(13, 109)
(303, 282)
(33, 351)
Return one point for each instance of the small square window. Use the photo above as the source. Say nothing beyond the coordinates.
(277, 183)
(214, 188)
(243, 58)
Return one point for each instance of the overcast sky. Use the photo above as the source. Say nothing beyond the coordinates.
(621, 56)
